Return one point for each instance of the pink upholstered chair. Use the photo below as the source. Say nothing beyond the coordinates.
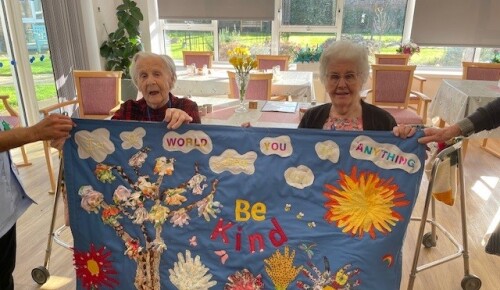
(199, 58)
(391, 90)
(403, 59)
(395, 59)
(98, 92)
(270, 61)
(481, 71)
(259, 87)
(12, 119)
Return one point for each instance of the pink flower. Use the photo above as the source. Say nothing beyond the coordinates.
(91, 199)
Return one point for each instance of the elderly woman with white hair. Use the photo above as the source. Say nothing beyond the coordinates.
(344, 68)
(154, 75)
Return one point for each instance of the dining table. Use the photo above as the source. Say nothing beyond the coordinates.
(298, 84)
(222, 112)
(456, 99)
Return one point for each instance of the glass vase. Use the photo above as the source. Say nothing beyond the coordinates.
(242, 79)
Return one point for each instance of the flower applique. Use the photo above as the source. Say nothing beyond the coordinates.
(244, 279)
(189, 273)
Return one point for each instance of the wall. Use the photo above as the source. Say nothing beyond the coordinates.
(104, 12)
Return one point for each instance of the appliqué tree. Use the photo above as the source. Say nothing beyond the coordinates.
(144, 204)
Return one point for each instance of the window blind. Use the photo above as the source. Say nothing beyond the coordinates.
(216, 9)
(474, 23)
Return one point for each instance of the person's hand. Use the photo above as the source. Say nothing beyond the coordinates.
(404, 131)
(176, 117)
(55, 126)
(246, 125)
(58, 143)
(440, 134)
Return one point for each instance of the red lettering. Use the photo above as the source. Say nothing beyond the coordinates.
(220, 229)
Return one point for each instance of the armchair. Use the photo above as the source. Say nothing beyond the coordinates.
(199, 58)
(403, 59)
(391, 90)
(269, 61)
(98, 92)
(13, 120)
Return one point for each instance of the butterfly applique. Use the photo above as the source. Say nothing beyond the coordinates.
(223, 255)
(193, 242)
(308, 249)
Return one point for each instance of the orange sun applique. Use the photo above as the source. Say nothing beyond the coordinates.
(94, 269)
(362, 204)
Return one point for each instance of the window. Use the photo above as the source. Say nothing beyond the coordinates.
(315, 24)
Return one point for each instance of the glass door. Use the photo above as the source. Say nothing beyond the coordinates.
(28, 78)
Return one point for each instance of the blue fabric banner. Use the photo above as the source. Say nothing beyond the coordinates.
(215, 207)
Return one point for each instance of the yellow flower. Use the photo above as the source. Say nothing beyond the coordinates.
(241, 60)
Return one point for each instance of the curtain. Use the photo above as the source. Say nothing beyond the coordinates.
(66, 38)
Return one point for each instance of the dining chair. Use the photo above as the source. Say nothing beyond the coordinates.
(403, 59)
(483, 72)
(391, 88)
(13, 121)
(199, 58)
(98, 92)
(259, 87)
(480, 71)
(270, 61)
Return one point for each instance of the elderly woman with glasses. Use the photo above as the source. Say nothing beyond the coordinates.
(344, 68)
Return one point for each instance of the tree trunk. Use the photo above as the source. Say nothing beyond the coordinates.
(147, 276)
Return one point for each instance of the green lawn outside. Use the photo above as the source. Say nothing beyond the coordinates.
(43, 92)
(37, 67)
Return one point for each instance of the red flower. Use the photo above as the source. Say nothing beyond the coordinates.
(94, 268)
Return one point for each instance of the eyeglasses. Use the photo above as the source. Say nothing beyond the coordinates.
(350, 78)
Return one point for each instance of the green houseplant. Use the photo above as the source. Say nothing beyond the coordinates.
(125, 41)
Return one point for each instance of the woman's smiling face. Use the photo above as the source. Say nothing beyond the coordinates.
(342, 83)
(153, 80)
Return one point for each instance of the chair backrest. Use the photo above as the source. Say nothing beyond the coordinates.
(481, 71)
(199, 58)
(270, 61)
(97, 92)
(392, 84)
(12, 118)
(259, 86)
(395, 59)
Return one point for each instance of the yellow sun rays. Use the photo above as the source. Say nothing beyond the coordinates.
(363, 204)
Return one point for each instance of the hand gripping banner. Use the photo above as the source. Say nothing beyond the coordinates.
(216, 207)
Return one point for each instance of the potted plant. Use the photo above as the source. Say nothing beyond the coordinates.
(307, 58)
(125, 41)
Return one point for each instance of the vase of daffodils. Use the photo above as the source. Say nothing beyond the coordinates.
(243, 63)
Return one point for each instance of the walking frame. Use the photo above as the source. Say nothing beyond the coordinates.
(41, 274)
(428, 240)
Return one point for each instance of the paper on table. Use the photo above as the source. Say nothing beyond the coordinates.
(276, 106)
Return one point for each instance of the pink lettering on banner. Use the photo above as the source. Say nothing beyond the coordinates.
(188, 142)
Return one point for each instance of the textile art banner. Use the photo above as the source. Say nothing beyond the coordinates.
(215, 207)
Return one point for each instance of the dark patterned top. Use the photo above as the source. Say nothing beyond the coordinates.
(140, 111)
